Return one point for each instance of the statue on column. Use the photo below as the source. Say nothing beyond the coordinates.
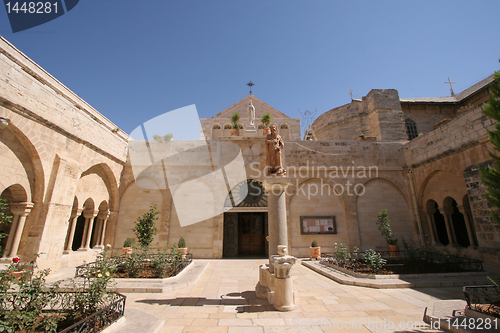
(274, 149)
(251, 112)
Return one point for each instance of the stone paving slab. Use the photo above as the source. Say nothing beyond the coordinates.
(223, 300)
(423, 281)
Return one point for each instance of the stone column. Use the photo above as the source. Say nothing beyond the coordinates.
(89, 225)
(103, 216)
(449, 226)
(20, 211)
(72, 226)
(432, 225)
(284, 299)
(278, 231)
(467, 224)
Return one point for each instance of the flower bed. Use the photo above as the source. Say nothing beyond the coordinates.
(141, 263)
(412, 260)
(28, 304)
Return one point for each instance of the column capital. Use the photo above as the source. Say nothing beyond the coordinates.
(21, 208)
(103, 214)
(76, 212)
(276, 184)
(90, 214)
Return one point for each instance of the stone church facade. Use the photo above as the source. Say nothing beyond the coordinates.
(66, 172)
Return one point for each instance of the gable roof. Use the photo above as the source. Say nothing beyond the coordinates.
(242, 108)
(458, 97)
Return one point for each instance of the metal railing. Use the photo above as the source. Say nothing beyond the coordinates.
(102, 318)
(158, 272)
(483, 298)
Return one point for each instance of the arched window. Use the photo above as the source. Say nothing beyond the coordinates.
(411, 128)
(284, 126)
(216, 127)
(227, 126)
(261, 126)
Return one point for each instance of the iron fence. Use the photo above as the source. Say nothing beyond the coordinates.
(483, 298)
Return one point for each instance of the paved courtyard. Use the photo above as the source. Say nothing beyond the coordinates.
(223, 300)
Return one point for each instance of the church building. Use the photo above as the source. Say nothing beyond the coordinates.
(67, 173)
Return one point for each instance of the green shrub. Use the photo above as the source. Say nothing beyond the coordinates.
(128, 242)
(145, 228)
(373, 260)
(314, 243)
(182, 243)
(385, 228)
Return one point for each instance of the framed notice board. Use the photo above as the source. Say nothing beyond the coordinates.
(314, 225)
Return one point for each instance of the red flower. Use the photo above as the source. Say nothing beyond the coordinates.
(16, 260)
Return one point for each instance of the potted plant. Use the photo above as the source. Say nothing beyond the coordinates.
(385, 229)
(182, 246)
(127, 246)
(235, 118)
(315, 250)
(266, 120)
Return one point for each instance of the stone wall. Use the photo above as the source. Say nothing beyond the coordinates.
(55, 137)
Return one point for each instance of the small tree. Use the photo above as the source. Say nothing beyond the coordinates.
(385, 228)
(182, 243)
(235, 118)
(491, 176)
(145, 228)
(266, 119)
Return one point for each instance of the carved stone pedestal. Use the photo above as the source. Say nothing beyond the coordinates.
(277, 287)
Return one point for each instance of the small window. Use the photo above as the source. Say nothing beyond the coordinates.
(411, 128)
(261, 126)
(216, 127)
(284, 126)
(227, 126)
(240, 127)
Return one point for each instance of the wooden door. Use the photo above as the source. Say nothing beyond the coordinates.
(230, 240)
(251, 234)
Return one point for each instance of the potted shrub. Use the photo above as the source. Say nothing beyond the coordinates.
(315, 250)
(127, 246)
(266, 120)
(385, 229)
(182, 246)
(235, 118)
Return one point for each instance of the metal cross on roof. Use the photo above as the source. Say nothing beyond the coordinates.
(250, 84)
(451, 87)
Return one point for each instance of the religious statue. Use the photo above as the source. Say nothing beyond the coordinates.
(274, 149)
(251, 112)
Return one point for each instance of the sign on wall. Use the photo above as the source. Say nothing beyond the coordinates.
(310, 225)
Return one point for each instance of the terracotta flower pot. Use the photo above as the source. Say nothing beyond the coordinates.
(235, 132)
(127, 251)
(266, 131)
(315, 252)
(393, 250)
(184, 251)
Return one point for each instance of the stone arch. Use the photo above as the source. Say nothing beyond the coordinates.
(456, 222)
(284, 130)
(371, 203)
(441, 184)
(437, 222)
(217, 131)
(28, 155)
(227, 129)
(109, 178)
(411, 128)
(13, 194)
(79, 235)
(315, 197)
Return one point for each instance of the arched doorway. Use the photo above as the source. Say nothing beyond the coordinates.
(245, 224)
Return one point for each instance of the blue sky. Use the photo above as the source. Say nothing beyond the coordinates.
(135, 60)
